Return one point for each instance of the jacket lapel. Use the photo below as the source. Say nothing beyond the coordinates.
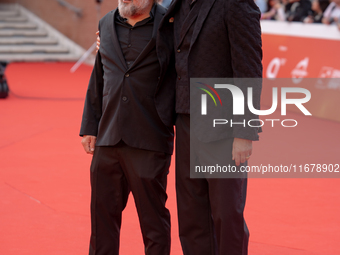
(188, 21)
(115, 41)
(165, 36)
(203, 13)
(175, 4)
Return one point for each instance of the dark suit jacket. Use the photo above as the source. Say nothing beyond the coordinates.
(133, 104)
(226, 42)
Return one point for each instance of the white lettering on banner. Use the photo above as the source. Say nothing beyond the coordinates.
(274, 67)
(283, 48)
(326, 72)
(329, 72)
(331, 79)
(336, 74)
(300, 71)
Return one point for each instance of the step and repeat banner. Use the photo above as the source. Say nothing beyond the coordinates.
(302, 51)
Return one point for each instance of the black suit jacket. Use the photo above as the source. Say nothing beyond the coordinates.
(133, 104)
(226, 42)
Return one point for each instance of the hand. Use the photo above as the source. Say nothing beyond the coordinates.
(242, 149)
(98, 41)
(88, 143)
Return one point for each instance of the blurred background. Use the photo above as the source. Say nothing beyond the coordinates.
(47, 49)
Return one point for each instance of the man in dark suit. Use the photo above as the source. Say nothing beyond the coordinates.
(216, 39)
(128, 127)
(213, 39)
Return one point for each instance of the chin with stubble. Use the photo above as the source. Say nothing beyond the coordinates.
(133, 8)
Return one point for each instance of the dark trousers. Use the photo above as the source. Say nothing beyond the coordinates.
(210, 211)
(115, 171)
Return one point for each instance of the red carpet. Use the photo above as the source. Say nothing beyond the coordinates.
(45, 189)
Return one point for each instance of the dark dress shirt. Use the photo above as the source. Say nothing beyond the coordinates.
(133, 39)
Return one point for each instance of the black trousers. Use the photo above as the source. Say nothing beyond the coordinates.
(210, 211)
(115, 171)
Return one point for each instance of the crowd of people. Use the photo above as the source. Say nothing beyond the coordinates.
(307, 11)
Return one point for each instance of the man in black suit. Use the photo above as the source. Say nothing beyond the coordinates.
(128, 127)
(213, 39)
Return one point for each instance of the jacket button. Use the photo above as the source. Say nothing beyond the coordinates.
(179, 50)
(127, 75)
(179, 77)
(124, 99)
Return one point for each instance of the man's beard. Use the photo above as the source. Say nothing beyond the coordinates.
(128, 10)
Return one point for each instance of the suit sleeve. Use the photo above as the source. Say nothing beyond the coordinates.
(242, 20)
(93, 101)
